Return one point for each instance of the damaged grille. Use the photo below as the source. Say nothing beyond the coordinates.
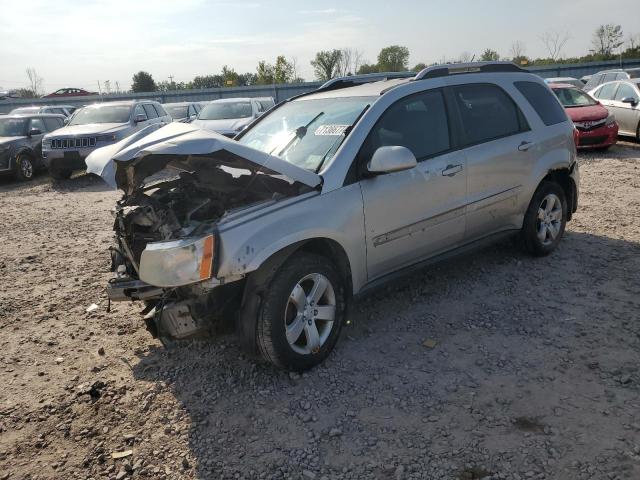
(79, 142)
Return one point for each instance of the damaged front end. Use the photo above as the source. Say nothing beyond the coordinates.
(179, 185)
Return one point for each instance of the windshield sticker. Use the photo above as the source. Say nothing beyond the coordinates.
(331, 129)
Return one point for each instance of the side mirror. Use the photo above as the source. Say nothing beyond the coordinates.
(391, 159)
(630, 100)
(141, 117)
(66, 120)
(34, 131)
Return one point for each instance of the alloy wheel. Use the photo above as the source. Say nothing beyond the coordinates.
(26, 168)
(549, 220)
(310, 313)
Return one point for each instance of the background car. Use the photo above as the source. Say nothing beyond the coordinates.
(70, 92)
(610, 76)
(21, 142)
(596, 127)
(622, 98)
(96, 126)
(184, 112)
(65, 110)
(566, 80)
(229, 116)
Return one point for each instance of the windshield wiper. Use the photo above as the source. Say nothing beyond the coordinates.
(334, 146)
(300, 133)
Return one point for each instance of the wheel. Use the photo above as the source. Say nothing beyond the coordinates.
(545, 219)
(60, 173)
(301, 314)
(24, 167)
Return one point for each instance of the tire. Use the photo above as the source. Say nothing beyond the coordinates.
(60, 173)
(25, 168)
(290, 331)
(546, 217)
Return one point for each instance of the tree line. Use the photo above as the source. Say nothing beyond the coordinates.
(608, 43)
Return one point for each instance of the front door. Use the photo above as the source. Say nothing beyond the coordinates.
(417, 213)
(627, 114)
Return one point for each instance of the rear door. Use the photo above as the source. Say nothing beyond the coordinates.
(627, 114)
(417, 213)
(498, 145)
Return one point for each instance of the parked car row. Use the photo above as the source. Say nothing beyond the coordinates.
(30, 139)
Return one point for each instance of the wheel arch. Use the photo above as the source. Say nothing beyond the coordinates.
(259, 279)
(562, 176)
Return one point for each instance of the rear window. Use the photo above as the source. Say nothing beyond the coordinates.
(543, 102)
(487, 113)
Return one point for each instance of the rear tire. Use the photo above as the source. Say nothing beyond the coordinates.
(301, 313)
(545, 220)
(25, 169)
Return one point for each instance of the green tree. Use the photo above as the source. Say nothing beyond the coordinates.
(367, 68)
(207, 81)
(419, 66)
(606, 39)
(326, 64)
(283, 71)
(489, 55)
(248, 78)
(265, 73)
(393, 59)
(143, 82)
(229, 77)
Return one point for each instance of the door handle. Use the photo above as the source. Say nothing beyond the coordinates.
(524, 146)
(451, 170)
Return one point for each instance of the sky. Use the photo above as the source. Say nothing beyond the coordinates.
(76, 43)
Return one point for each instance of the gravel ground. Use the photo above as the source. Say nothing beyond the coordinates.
(495, 365)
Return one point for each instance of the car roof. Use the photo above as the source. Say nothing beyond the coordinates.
(372, 89)
(34, 115)
(558, 79)
(118, 103)
(178, 104)
(233, 100)
(562, 85)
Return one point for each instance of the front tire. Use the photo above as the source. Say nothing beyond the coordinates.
(545, 220)
(301, 314)
(25, 169)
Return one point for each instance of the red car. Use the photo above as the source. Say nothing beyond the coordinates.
(70, 92)
(596, 128)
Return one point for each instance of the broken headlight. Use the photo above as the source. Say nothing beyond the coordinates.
(178, 262)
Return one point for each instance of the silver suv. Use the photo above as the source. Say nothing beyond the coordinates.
(96, 126)
(333, 193)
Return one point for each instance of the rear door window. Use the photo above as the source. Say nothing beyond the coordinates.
(487, 113)
(149, 110)
(543, 102)
(608, 91)
(160, 110)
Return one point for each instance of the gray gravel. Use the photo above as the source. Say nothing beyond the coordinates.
(492, 366)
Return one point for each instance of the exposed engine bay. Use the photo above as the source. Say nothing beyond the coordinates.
(173, 197)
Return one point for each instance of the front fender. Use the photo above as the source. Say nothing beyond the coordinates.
(336, 216)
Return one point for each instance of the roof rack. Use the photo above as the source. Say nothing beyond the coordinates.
(473, 67)
(353, 80)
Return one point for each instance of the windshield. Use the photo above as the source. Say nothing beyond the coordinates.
(102, 114)
(572, 97)
(226, 111)
(176, 111)
(306, 132)
(12, 127)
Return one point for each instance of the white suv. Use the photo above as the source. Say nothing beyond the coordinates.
(333, 193)
(96, 126)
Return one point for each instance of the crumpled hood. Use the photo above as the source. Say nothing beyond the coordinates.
(227, 125)
(182, 139)
(4, 140)
(587, 113)
(89, 129)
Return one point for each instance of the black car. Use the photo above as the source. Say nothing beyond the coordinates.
(21, 142)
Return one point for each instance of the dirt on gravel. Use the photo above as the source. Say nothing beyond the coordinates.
(495, 365)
